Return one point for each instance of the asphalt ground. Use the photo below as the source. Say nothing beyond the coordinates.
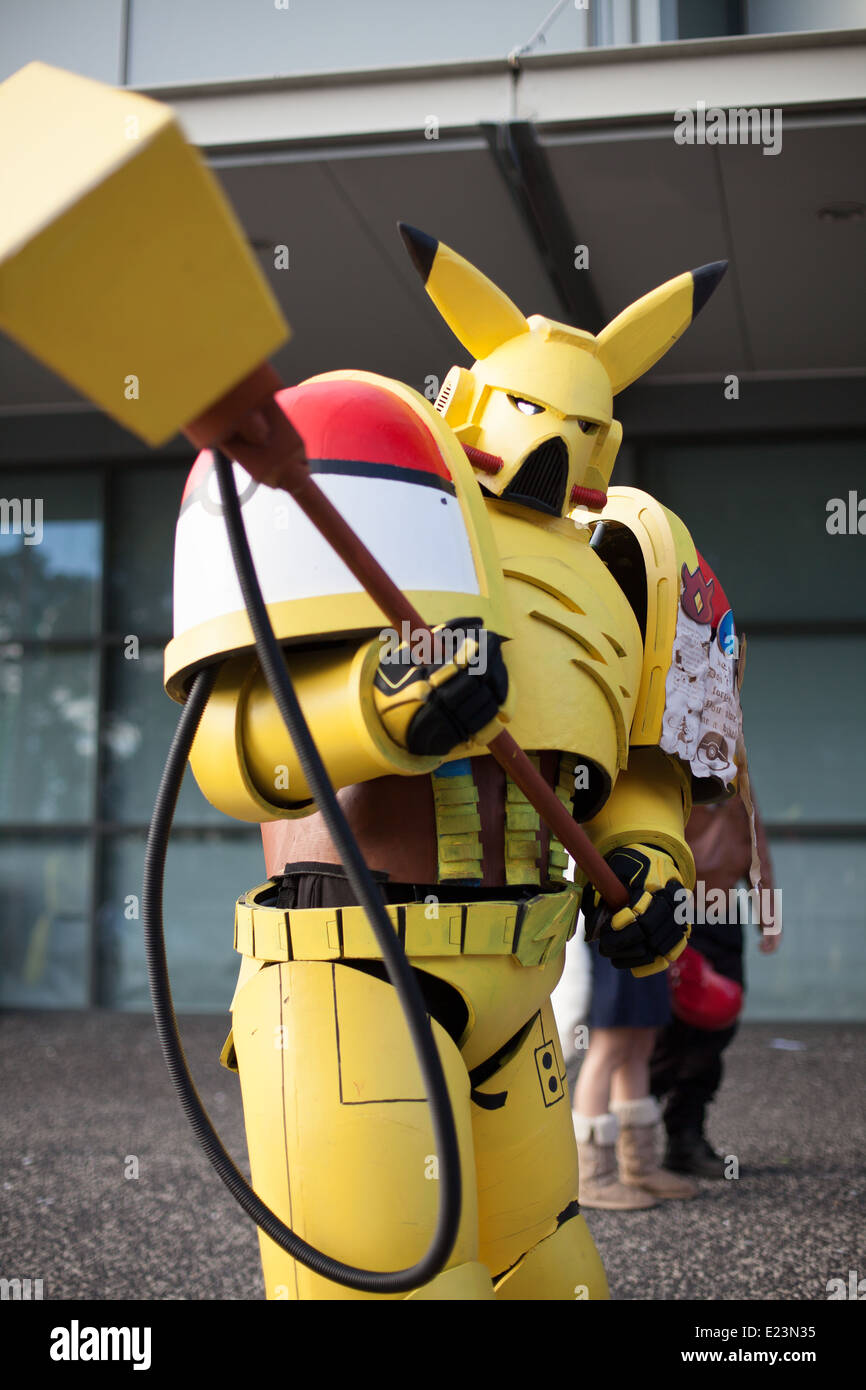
(87, 1104)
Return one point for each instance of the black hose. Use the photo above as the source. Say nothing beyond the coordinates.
(399, 971)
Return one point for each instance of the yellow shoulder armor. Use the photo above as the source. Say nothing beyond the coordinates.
(688, 697)
(394, 468)
(396, 471)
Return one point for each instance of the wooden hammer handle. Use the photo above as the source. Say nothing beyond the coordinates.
(255, 431)
(510, 756)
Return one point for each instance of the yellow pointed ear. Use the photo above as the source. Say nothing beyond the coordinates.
(636, 339)
(476, 311)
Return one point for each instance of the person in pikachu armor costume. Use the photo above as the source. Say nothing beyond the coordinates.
(338, 1133)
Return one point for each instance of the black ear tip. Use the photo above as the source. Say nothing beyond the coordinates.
(706, 278)
(421, 247)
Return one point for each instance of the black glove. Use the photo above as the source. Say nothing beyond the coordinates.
(434, 695)
(649, 934)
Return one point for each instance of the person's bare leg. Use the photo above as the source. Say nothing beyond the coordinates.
(608, 1051)
(596, 1128)
(630, 1081)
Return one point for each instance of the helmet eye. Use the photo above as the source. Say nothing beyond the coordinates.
(588, 426)
(525, 407)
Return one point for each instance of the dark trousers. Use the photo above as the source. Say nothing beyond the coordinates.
(686, 1064)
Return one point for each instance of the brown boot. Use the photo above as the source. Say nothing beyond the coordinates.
(636, 1151)
(599, 1186)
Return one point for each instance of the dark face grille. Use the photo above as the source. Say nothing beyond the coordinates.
(542, 478)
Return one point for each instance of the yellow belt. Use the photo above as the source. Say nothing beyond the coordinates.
(533, 931)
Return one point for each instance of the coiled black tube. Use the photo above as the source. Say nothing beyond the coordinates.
(398, 968)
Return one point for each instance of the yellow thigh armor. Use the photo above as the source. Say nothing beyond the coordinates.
(340, 1141)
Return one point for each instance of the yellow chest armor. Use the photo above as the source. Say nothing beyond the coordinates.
(574, 659)
(576, 655)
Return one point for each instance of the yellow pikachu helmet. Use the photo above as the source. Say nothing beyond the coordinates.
(535, 410)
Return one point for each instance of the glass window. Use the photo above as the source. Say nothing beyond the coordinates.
(819, 969)
(47, 734)
(145, 505)
(209, 40)
(700, 19)
(83, 36)
(781, 16)
(50, 553)
(44, 922)
(205, 875)
(803, 724)
(139, 726)
(758, 512)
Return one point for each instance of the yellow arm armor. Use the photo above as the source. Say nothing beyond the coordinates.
(264, 780)
(649, 805)
(664, 544)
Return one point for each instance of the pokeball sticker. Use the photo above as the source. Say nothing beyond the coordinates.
(713, 752)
